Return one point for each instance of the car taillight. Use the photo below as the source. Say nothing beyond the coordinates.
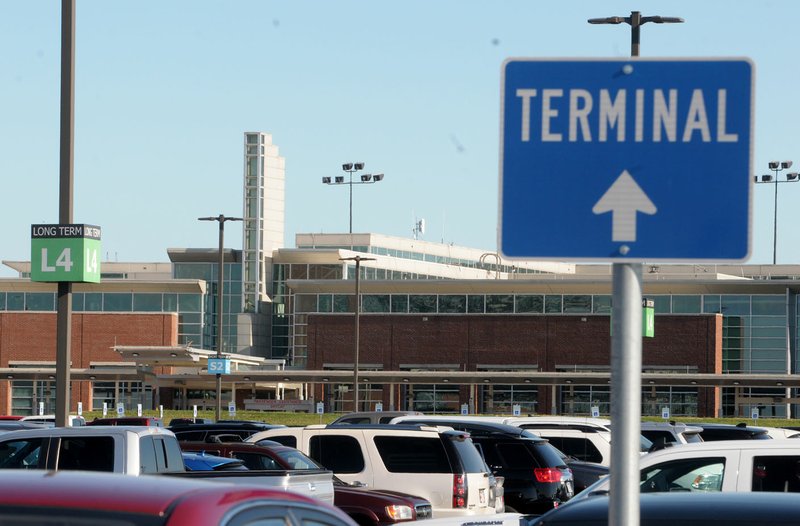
(547, 474)
(459, 491)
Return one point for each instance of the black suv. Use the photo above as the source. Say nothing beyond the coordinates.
(740, 431)
(221, 431)
(536, 476)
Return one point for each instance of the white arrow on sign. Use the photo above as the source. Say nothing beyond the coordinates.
(623, 199)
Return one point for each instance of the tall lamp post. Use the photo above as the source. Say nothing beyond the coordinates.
(357, 309)
(791, 177)
(350, 168)
(220, 285)
(626, 353)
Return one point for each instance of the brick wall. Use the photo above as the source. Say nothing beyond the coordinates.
(31, 337)
(545, 341)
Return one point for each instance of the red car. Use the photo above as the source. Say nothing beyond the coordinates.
(368, 507)
(75, 497)
(127, 421)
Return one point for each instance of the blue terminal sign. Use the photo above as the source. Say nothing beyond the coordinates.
(626, 160)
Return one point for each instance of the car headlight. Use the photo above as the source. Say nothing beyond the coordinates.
(399, 513)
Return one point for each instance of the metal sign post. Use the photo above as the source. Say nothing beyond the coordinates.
(607, 160)
(626, 393)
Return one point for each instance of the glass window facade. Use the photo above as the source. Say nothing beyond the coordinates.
(198, 321)
(190, 309)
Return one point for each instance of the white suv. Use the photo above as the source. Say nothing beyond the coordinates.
(671, 433)
(436, 463)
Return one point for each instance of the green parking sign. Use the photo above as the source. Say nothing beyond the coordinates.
(65, 253)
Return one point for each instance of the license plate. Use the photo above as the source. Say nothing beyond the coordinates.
(570, 490)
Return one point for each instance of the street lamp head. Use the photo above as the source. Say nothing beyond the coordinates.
(326, 180)
(792, 176)
(786, 164)
(377, 177)
(339, 179)
(347, 167)
(365, 178)
(607, 20)
(358, 166)
(773, 165)
(766, 178)
(666, 20)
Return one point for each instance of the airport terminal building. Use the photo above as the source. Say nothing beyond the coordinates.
(440, 327)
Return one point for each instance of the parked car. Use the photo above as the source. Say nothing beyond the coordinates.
(119, 449)
(741, 431)
(186, 421)
(368, 507)
(587, 439)
(139, 451)
(669, 433)
(726, 465)
(18, 425)
(127, 421)
(584, 474)
(220, 431)
(41, 497)
(781, 432)
(372, 417)
(752, 509)
(442, 466)
(74, 420)
(205, 462)
(536, 476)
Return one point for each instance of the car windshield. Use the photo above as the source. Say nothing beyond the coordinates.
(298, 460)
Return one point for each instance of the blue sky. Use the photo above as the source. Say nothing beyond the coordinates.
(165, 91)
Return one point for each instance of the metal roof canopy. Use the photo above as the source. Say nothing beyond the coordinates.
(108, 374)
(184, 356)
(505, 377)
(409, 377)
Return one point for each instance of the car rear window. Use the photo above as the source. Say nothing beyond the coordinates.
(692, 438)
(659, 437)
(471, 458)
(414, 454)
(191, 436)
(580, 448)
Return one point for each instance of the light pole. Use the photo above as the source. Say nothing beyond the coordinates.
(365, 179)
(357, 309)
(626, 353)
(220, 285)
(791, 177)
(636, 20)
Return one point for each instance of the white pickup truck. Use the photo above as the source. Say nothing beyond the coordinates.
(135, 450)
(725, 465)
